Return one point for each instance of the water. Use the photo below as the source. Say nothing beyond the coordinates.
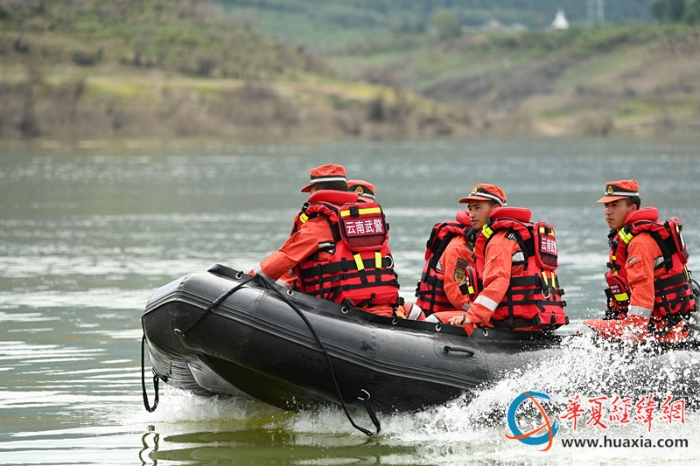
(89, 231)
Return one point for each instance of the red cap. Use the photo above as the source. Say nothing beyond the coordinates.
(485, 192)
(364, 189)
(324, 173)
(621, 189)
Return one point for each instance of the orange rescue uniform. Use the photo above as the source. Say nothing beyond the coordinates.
(455, 260)
(641, 254)
(301, 245)
(498, 268)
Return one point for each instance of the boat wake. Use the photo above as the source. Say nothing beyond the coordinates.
(467, 431)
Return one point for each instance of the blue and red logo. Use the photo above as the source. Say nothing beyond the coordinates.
(541, 435)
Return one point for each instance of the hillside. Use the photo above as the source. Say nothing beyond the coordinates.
(624, 80)
(72, 69)
(163, 69)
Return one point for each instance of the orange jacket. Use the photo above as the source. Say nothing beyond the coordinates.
(639, 269)
(455, 260)
(498, 268)
(641, 254)
(298, 247)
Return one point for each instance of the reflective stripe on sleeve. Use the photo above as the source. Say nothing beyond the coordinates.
(415, 313)
(639, 311)
(490, 304)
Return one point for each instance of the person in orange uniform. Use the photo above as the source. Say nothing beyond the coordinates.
(650, 288)
(444, 284)
(515, 262)
(299, 246)
(366, 193)
(459, 258)
(323, 238)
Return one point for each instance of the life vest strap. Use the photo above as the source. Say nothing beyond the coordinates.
(362, 275)
(335, 289)
(540, 303)
(537, 282)
(432, 295)
(346, 266)
(673, 281)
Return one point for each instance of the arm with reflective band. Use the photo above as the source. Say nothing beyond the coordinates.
(639, 266)
(298, 247)
(496, 277)
(454, 272)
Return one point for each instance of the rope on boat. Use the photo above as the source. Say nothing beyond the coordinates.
(149, 408)
(370, 412)
(212, 306)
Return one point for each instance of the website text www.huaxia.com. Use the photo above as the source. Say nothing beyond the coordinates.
(640, 442)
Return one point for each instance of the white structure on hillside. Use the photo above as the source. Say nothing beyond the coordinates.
(560, 21)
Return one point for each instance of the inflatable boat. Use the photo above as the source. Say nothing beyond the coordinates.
(223, 332)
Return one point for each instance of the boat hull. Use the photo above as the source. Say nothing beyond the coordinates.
(294, 351)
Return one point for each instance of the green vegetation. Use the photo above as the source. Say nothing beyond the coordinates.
(186, 36)
(675, 11)
(635, 79)
(178, 68)
(196, 69)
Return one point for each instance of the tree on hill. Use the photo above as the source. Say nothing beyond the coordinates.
(668, 10)
(692, 13)
(446, 24)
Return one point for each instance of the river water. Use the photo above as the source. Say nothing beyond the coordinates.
(89, 231)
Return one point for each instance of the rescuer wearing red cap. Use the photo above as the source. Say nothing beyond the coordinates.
(444, 285)
(458, 258)
(650, 294)
(323, 248)
(515, 262)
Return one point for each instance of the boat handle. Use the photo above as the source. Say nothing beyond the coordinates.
(458, 349)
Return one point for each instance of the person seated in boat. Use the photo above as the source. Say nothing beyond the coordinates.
(366, 193)
(650, 290)
(449, 251)
(512, 284)
(338, 248)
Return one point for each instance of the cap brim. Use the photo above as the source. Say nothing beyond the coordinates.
(465, 200)
(606, 199)
(307, 188)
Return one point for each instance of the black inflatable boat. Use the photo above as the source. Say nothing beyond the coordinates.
(223, 332)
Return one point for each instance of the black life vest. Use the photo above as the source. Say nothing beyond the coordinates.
(358, 267)
(534, 297)
(673, 291)
(430, 291)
